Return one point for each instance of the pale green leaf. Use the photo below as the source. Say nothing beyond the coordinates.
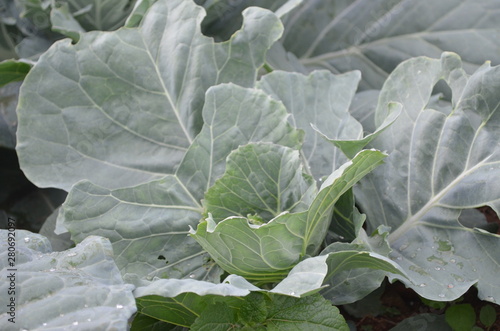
(148, 223)
(233, 116)
(374, 36)
(63, 22)
(321, 99)
(439, 164)
(123, 107)
(78, 289)
(261, 181)
(267, 252)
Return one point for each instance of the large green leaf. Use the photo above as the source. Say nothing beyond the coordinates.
(201, 304)
(375, 35)
(439, 164)
(148, 223)
(78, 289)
(123, 107)
(266, 253)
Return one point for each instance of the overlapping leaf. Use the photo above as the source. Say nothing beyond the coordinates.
(261, 181)
(321, 99)
(267, 252)
(78, 289)
(148, 224)
(439, 164)
(123, 107)
(375, 36)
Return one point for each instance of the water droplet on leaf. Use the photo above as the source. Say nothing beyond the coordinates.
(119, 306)
(441, 295)
(26, 240)
(423, 285)
(75, 323)
(451, 286)
(192, 276)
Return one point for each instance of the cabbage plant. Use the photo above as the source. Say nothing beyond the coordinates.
(234, 185)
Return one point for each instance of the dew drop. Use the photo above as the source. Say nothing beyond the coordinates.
(451, 286)
(52, 269)
(26, 240)
(475, 270)
(441, 295)
(423, 285)
(44, 324)
(491, 299)
(71, 254)
(292, 293)
(437, 268)
(192, 276)
(85, 305)
(419, 72)
(403, 247)
(75, 323)
(119, 306)
(89, 320)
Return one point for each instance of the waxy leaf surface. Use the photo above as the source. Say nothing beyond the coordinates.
(123, 107)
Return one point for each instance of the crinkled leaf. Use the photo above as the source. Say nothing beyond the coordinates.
(267, 252)
(78, 289)
(309, 313)
(261, 181)
(439, 164)
(321, 99)
(166, 208)
(188, 298)
(135, 91)
(374, 36)
(261, 312)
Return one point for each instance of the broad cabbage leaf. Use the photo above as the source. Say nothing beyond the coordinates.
(78, 289)
(123, 107)
(440, 163)
(374, 36)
